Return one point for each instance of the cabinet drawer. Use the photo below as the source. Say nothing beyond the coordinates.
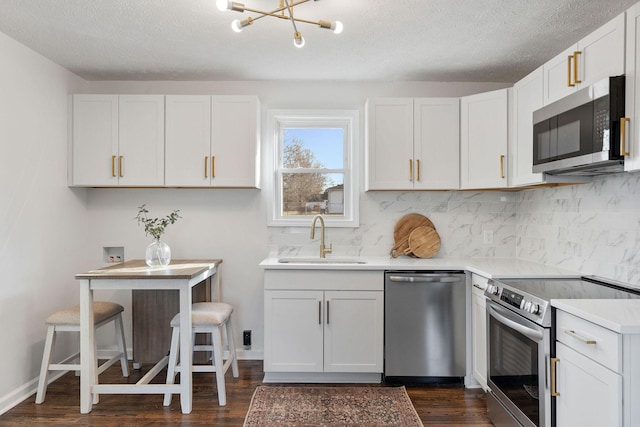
(478, 284)
(600, 344)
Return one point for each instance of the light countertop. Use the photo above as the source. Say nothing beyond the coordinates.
(618, 315)
(493, 268)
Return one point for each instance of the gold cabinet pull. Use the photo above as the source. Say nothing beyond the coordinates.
(579, 337)
(410, 170)
(554, 392)
(418, 169)
(502, 166)
(213, 166)
(569, 59)
(206, 165)
(113, 166)
(120, 168)
(623, 135)
(575, 67)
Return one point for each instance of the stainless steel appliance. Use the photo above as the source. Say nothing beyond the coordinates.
(582, 133)
(520, 344)
(425, 326)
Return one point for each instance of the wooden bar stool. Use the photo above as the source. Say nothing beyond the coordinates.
(68, 320)
(207, 318)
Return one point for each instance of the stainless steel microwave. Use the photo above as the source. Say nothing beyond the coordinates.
(583, 133)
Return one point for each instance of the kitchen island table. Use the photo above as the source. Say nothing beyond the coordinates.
(181, 275)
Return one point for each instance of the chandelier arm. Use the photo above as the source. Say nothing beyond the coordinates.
(275, 11)
(293, 21)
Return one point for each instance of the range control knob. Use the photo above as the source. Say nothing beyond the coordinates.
(534, 308)
(492, 289)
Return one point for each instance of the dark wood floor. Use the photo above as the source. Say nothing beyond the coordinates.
(437, 406)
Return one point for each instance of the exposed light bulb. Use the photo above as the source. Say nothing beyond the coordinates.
(337, 27)
(236, 25)
(298, 40)
(222, 4)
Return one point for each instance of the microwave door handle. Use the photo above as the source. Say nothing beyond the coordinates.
(523, 329)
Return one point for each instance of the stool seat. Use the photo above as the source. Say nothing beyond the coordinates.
(68, 320)
(102, 310)
(214, 319)
(206, 313)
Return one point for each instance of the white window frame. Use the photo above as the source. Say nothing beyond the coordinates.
(347, 119)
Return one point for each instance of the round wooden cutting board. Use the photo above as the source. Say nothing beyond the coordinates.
(424, 242)
(403, 229)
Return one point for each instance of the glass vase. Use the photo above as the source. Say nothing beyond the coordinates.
(158, 254)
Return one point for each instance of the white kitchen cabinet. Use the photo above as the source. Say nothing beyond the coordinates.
(117, 140)
(212, 141)
(413, 144)
(322, 334)
(484, 139)
(527, 97)
(479, 329)
(599, 55)
(632, 90)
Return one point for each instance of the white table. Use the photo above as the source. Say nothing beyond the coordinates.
(181, 275)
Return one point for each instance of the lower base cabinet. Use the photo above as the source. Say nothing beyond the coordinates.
(313, 334)
(479, 329)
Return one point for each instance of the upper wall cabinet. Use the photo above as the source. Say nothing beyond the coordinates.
(412, 144)
(599, 55)
(117, 140)
(484, 139)
(527, 97)
(632, 95)
(212, 141)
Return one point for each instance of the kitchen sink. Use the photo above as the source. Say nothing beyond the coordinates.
(332, 260)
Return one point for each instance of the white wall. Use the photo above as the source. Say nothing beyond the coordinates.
(43, 224)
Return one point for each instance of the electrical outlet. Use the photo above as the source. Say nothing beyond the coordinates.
(246, 339)
(488, 236)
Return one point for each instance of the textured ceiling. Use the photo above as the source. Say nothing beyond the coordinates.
(391, 40)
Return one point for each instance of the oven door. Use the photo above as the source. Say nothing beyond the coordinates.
(518, 355)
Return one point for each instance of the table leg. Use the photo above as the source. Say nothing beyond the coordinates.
(186, 349)
(88, 367)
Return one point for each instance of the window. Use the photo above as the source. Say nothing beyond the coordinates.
(314, 170)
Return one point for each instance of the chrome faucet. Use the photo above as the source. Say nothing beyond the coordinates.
(323, 249)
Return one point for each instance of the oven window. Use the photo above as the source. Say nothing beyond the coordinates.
(513, 367)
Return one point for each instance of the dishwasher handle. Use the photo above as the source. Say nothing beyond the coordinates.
(438, 278)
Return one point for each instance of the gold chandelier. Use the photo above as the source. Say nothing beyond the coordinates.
(284, 11)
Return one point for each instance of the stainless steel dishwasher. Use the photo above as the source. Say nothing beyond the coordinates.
(425, 326)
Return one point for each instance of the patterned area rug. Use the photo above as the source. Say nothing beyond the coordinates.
(305, 406)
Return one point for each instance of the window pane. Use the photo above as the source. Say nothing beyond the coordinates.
(313, 148)
(312, 193)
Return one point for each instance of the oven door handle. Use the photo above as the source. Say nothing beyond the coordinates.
(503, 316)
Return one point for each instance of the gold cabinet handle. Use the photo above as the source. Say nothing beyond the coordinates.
(623, 135)
(113, 166)
(213, 166)
(579, 337)
(554, 392)
(575, 67)
(502, 166)
(120, 167)
(410, 170)
(569, 59)
(418, 167)
(206, 165)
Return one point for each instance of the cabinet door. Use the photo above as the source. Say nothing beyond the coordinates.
(527, 97)
(389, 144)
(483, 140)
(590, 394)
(558, 76)
(235, 141)
(188, 141)
(602, 52)
(479, 333)
(95, 140)
(141, 140)
(293, 331)
(436, 143)
(353, 331)
(632, 95)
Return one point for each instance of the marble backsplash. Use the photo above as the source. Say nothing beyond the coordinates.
(593, 228)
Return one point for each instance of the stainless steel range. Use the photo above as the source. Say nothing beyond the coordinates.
(520, 344)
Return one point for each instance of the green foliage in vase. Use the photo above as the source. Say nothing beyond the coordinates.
(155, 226)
